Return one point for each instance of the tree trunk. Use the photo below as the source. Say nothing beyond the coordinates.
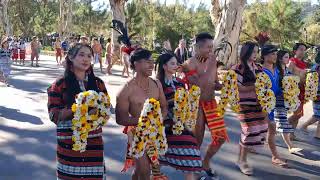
(228, 20)
(117, 8)
(65, 17)
(4, 18)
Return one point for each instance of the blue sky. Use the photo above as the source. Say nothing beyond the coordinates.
(195, 2)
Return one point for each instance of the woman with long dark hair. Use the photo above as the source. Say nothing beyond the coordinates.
(316, 104)
(78, 77)
(280, 112)
(183, 150)
(254, 126)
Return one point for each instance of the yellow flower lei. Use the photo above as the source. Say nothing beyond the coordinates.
(185, 110)
(82, 122)
(193, 107)
(150, 130)
(264, 93)
(229, 93)
(311, 86)
(179, 110)
(291, 91)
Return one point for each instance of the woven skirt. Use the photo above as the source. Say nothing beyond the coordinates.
(183, 152)
(280, 117)
(316, 109)
(254, 126)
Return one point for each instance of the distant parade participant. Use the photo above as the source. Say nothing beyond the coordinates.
(125, 56)
(15, 50)
(35, 46)
(83, 40)
(58, 49)
(97, 50)
(109, 56)
(181, 52)
(65, 46)
(5, 61)
(22, 50)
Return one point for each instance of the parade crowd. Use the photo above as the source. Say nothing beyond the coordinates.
(181, 69)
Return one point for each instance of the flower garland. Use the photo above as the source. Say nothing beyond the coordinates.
(264, 93)
(229, 93)
(82, 122)
(179, 110)
(193, 107)
(149, 131)
(291, 91)
(311, 86)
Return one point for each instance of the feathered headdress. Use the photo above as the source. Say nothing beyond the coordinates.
(122, 30)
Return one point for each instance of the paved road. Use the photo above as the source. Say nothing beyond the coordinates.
(27, 137)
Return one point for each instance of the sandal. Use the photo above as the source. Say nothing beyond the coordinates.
(280, 163)
(245, 168)
(294, 150)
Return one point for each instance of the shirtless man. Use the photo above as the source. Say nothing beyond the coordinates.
(57, 47)
(109, 56)
(130, 102)
(299, 68)
(201, 70)
(97, 50)
(35, 51)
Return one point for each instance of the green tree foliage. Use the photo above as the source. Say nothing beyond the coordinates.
(177, 21)
(134, 17)
(28, 15)
(280, 18)
(90, 21)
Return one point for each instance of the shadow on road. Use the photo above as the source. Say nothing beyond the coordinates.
(15, 114)
(30, 86)
(27, 154)
(306, 154)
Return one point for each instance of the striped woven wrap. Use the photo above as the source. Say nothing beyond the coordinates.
(215, 122)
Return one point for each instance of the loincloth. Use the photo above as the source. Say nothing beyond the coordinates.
(214, 121)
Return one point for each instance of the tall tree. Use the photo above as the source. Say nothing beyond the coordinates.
(25, 14)
(228, 20)
(134, 17)
(46, 16)
(4, 18)
(117, 8)
(282, 20)
(65, 17)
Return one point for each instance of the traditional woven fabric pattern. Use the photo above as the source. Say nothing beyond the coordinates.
(215, 121)
(254, 127)
(280, 117)
(183, 151)
(73, 165)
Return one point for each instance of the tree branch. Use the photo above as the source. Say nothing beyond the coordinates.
(215, 11)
